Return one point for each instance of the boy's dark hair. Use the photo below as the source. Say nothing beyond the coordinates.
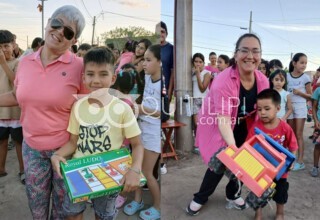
(164, 26)
(270, 94)
(99, 55)
(84, 47)
(6, 37)
(274, 74)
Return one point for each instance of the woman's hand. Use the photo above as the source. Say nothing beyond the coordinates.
(55, 161)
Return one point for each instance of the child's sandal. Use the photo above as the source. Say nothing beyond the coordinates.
(22, 178)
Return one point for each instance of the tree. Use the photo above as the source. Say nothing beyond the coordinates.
(119, 36)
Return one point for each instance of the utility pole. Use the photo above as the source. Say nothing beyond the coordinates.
(183, 85)
(94, 24)
(27, 42)
(250, 23)
(41, 9)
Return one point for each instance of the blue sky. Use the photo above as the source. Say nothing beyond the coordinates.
(23, 18)
(284, 26)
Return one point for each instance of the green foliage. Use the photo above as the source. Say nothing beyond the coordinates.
(119, 36)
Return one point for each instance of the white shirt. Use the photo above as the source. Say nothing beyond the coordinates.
(196, 91)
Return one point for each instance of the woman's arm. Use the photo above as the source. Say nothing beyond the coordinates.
(226, 130)
(289, 108)
(64, 152)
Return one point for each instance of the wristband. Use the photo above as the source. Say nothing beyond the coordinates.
(137, 171)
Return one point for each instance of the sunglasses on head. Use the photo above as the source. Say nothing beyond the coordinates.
(67, 32)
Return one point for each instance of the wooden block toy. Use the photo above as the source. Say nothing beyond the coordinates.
(290, 157)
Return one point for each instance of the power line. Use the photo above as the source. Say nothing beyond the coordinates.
(210, 22)
(128, 16)
(100, 5)
(86, 8)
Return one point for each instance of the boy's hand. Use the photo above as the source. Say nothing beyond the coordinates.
(2, 58)
(55, 161)
(131, 181)
(296, 91)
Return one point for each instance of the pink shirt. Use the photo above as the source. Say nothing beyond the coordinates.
(212, 69)
(124, 59)
(222, 99)
(45, 95)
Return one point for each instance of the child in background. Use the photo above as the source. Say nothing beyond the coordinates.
(274, 65)
(278, 82)
(299, 84)
(149, 121)
(316, 116)
(132, 70)
(124, 84)
(212, 66)
(9, 116)
(83, 49)
(127, 54)
(141, 48)
(98, 77)
(223, 62)
(141, 83)
(200, 82)
(268, 104)
(264, 67)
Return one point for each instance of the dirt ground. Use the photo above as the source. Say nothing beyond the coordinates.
(185, 176)
(177, 187)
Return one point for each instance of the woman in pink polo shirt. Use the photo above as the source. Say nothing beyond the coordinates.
(224, 118)
(45, 85)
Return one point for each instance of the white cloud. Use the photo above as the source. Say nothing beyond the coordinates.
(133, 3)
(292, 27)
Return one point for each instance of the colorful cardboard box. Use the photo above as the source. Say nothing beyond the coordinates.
(97, 175)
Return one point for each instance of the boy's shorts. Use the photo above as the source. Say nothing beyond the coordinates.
(104, 207)
(281, 195)
(16, 133)
(299, 111)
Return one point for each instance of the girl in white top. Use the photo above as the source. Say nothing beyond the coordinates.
(200, 81)
(299, 84)
(149, 122)
(278, 82)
